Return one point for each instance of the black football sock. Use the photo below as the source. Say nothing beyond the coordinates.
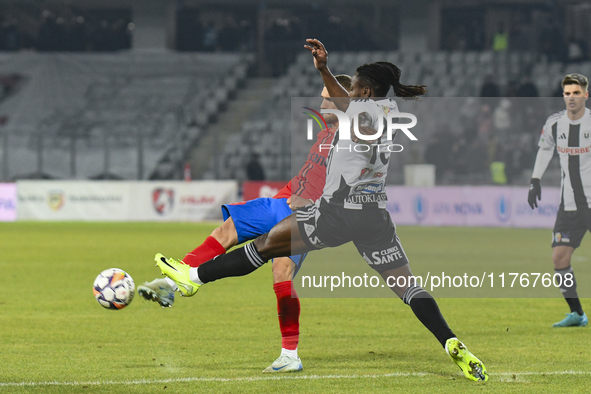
(238, 262)
(426, 310)
(568, 287)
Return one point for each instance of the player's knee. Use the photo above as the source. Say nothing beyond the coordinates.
(218, 234)
(282, 269)
(561, 257)
(263, 246)
(226, 235)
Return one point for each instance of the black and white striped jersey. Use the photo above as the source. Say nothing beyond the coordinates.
(356, 172)
(572, 141)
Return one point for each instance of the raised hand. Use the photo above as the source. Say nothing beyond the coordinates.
(318, 51)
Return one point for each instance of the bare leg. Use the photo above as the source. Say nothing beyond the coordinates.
(226, 234)
(283, 240)
(394, 274)
(279, 242)
(283, 269)
(561, 256)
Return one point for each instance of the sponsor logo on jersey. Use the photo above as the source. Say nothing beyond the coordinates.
(365, 173)
(573, 151)
(366, 198)
(163, 200)
(369, 188)
(386, 256)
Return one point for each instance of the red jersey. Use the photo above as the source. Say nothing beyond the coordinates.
(310, 181)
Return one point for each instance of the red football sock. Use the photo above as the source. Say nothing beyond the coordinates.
(204, 252)
(288, 309)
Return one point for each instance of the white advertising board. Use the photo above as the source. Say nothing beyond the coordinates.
(123, 201)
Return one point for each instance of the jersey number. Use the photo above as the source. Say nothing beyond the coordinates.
(374, 156)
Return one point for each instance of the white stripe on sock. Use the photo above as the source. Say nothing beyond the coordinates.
(194, 276)
(253, 256)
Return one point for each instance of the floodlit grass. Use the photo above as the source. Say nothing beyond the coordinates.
(56, 338)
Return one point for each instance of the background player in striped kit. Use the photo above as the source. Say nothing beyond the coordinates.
(244, 221)
(569, 132)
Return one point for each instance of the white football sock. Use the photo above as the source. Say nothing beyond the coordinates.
(290, 353)
(194, 276)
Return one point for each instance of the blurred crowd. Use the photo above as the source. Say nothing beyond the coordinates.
(209, 28)
(214, 32)
(497, 134)
(537, 30)
(66, 31)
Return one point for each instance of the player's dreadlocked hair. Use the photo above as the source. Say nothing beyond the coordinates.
(379, 76)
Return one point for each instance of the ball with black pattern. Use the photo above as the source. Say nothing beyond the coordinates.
(113, 289)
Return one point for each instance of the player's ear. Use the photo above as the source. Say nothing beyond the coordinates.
(367, 91)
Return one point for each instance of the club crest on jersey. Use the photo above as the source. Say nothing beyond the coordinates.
(365, 173)
(386, 109)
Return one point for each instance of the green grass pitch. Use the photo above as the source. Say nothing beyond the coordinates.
(55, 338)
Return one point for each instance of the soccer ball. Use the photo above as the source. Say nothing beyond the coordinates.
(113, 288)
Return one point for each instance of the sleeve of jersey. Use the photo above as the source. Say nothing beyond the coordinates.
(285, 192)
(545, 153)
(546, 139)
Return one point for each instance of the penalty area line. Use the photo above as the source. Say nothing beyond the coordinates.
(266, 378)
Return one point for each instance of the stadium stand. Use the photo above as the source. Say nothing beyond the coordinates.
(455, 76)
(137, 115)
(111, 116)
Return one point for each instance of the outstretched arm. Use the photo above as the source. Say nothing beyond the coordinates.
(332, 85)
(543, 158)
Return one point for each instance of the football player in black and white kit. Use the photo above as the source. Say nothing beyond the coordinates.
(569, 133)
(351, 209)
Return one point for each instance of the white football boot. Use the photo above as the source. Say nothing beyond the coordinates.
(158, 291)
(285, 363)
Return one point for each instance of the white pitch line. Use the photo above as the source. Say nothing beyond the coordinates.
(264, 378)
